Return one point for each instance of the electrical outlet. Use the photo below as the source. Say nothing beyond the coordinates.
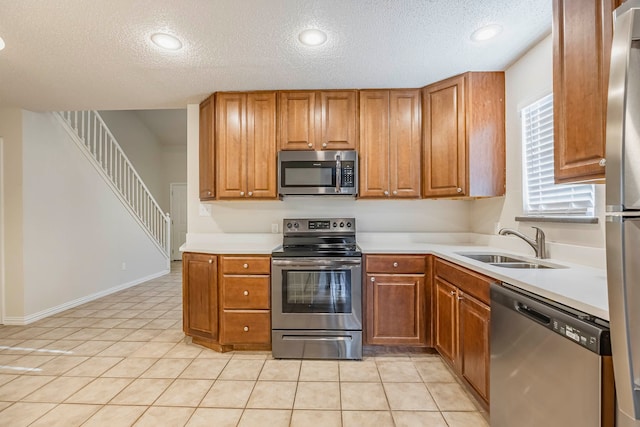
(204, 209)
(274, 228)
(124, 265)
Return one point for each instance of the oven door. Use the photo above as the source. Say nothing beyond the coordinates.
(316, 293)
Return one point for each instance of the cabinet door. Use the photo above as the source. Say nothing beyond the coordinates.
(374, 143)
(395, 309)
(582, 34)
(444, 163)
(200, 295)
(231, 146)
(206, 155)
(474, 329)
(338, 120)
(261, 145)
(297, 120)
(446, 320)
(405, 143)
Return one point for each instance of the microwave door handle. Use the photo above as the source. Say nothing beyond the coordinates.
(338, 173)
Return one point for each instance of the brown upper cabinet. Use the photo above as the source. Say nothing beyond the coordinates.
(207, 159)
(390, 143)
(245, 129)
(464, 136)
(582, 34)
(312, 120)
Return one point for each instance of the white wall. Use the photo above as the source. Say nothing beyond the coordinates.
(372, 215)
(11, 132)
(527, 80)
(76, 232)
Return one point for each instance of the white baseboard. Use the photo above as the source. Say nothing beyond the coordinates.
(25, 320)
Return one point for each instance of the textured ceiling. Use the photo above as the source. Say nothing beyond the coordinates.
(81, 54)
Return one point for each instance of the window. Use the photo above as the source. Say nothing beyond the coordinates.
(541, 195)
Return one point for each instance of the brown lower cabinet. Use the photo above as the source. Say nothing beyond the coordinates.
(397, 300)
(226, 301)
(200, 296)
(461, 322)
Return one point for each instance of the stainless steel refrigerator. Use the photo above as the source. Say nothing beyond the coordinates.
(623, 210)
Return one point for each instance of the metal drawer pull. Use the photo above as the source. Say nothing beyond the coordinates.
(452, 292)
(245, 265)
(210, 261)
(373, 279)
(395, 264)
(246, 329)
(246, 293)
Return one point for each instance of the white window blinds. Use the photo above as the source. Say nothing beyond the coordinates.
(541, 195)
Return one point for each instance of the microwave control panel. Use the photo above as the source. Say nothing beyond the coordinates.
(347, 174)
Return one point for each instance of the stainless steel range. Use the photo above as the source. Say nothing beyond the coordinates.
(316, 290)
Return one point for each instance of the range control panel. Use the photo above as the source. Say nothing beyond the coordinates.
(319, 225)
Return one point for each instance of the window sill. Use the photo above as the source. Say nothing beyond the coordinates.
(559, 219)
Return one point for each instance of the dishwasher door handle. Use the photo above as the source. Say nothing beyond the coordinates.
(532, 314)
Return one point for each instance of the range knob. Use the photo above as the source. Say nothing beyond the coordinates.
(295, 225)
(341, 224)
(348, 225)
(335, 224)
(288, 225)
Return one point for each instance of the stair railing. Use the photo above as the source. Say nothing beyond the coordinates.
(93, 136)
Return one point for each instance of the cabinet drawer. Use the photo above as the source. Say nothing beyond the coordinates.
(246, 327)
(395, 264)
(468, 281)
(250, 292)
(245, 264)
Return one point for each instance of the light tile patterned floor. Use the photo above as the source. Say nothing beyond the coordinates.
(122, 360)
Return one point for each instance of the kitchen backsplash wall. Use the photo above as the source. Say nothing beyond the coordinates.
(387, 215)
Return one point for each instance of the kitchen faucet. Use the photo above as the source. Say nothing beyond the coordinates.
(538, 245)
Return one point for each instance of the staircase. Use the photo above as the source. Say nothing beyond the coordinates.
(91, 134)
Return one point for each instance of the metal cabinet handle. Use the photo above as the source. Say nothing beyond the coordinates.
(459, 190)
(245, 265)
(210, 261)
(208, 193)
(250, 193)
(246, 329)
(395, 264)
(395, 192)
(602, 162)
(452, 292)
(246, 293)
(242, 193)
(386, 193)
(309, 145)
(373, 279)
(324, 145)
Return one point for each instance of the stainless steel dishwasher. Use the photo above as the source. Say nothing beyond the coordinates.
(550, 365)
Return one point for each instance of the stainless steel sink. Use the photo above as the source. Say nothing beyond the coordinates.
(509, 261)
(492, 258)
(520, 265)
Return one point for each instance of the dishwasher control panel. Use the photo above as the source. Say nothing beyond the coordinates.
(582, 337)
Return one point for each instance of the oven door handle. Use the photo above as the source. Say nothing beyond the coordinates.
(316, 262)
(317, 338)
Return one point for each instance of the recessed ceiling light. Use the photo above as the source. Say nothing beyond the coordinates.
(312, 37)
(487, 32)
(2, 45)
(166, 41)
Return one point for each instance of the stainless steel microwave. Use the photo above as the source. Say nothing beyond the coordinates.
(304, 173)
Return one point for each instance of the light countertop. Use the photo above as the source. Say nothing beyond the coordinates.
(583, 288)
